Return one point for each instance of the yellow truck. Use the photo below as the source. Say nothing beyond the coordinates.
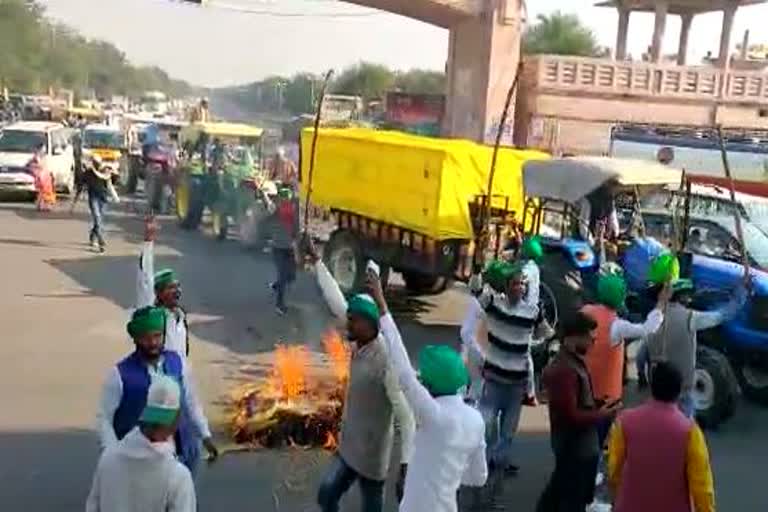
(411, 203)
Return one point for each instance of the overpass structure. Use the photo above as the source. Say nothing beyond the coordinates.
(483, 56)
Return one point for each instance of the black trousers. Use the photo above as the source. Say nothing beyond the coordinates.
(571, 487)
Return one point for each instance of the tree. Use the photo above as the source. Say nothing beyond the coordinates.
(560, 34)
(371, 81)
(420, 81)
(299, 94)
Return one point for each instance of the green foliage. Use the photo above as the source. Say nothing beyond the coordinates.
(560, 34)
(36, 53)
(298, 94)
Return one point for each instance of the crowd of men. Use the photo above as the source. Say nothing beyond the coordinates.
(456, 412)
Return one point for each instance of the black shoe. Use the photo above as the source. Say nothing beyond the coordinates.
(642, 382)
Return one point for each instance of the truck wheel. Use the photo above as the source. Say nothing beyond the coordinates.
(345, 260)
(562, 284)
(715, 389)
(753, 380)
(425, 284)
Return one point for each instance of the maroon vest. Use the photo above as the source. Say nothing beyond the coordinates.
(654, 473)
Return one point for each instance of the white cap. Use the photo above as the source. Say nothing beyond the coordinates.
(163, 401)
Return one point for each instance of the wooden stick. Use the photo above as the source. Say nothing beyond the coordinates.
(736, 212)
(318, 114)
(485, 214)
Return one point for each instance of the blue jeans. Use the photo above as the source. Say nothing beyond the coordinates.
(339, 479)
(501, 405)
(686, 405)
(643, 361)
(97, 205)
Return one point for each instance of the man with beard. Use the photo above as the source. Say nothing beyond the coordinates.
(124, 394)
(162, 289)
(373, 400)
(574, 419)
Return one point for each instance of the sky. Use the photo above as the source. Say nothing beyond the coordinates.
(223, 45)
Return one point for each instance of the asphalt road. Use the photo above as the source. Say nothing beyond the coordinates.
(63, 311)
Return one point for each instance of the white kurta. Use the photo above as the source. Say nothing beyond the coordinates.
(112, 393)
(449, 446)
(176, 326)
(136, 475)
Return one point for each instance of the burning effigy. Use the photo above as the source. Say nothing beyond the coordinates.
(299, 400)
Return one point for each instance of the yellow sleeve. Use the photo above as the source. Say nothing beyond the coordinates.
(699, 472)
(616, 453)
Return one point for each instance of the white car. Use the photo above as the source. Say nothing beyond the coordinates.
(18, 144)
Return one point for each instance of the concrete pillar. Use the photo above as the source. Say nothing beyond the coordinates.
(483, 56)
(621, 36)
(659, 27)
(685, 31)
(729, 13)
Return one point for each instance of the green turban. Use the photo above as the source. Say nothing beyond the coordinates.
(363, 305)
(285, 193)
(611, 290)
(499, 272)
(442, 370)
(664, 268)
(164, 278)
(532, 249)
(146, 320)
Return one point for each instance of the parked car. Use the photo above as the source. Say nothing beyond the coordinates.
(18, 144)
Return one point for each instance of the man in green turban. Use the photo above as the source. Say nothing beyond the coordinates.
(373, 402)
(162, 289)
(450, 434)
(124, 395)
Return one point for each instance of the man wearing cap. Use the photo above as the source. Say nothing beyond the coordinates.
(162, 289)
(507, 314)
(449, 446)
(140, 472)
(373, 401)
(95, 181)
(124, 395)
(676, 339)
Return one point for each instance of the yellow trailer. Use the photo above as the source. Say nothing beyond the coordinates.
(411, 203)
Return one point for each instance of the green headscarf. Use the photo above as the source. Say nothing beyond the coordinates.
(499, 272)
(611, 290)
(532, 249)
(146, 320)
(364, 305)
(164, 278)
(442, 370)
(664, 268)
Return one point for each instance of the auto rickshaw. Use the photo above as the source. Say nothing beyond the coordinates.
(221, 171)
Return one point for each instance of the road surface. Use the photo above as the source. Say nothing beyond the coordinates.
(63, 315)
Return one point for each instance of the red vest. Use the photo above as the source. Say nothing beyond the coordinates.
(604, 361)
(654, 474)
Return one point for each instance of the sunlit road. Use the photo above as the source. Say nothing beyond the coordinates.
(63, 311)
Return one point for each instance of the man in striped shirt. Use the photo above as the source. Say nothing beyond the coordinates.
(508, 313)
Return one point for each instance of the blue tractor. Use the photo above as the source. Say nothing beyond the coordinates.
(730, 357)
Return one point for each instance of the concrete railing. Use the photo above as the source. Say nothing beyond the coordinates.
(587, 76)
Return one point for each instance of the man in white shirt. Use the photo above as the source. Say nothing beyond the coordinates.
(125, 390)
(449, 447)
(140, 473)
(162, 289)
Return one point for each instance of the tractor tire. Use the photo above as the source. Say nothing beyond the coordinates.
(425, 284)
(343, 255)
(753, 380)
(563, 282)
(716, 390)
(190, 204)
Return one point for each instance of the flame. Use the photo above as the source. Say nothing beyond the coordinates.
(289, 375)
(339, 354)
(330, 441)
